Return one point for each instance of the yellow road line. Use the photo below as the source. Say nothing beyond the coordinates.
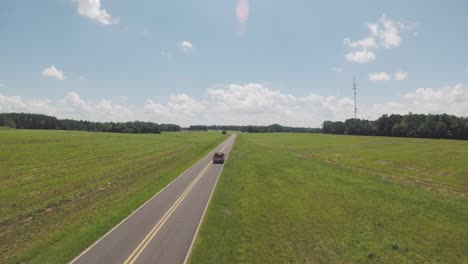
(144, 243)
(225, 145)
(187, 255)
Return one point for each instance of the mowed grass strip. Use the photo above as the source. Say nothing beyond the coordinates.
(277, 203)
(62, 190)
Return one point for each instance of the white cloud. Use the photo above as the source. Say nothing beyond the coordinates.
(186, 46)
(73, 106)
(250, 99)
(2, 85)
(385, 33)
(256, 104)
(230, 104)
(181, 104)
(181, 109)
(361, 56)
(74, 100)
(366, 43)
(374, 30)
(466, 69)
(92, 9)
(383, 76)
(400, 76)
(450, 100)
(390, 34)
(9, 104)
(243, 104)
(107, 110)
(53, 72)
(379, 76)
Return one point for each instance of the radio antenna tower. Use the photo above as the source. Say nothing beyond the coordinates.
(355, 106)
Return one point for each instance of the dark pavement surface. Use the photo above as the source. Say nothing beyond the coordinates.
(162, 230)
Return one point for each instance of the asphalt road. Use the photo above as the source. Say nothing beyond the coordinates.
(163, 229)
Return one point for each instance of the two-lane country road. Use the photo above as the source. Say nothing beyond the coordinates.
(163, 229)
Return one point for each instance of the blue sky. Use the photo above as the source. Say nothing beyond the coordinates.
(239, 62)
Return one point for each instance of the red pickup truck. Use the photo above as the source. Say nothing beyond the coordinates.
(218, 157)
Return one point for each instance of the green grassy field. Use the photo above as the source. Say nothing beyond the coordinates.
(305, 198)
(62, 190)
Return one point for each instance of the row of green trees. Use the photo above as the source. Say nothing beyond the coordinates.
(410, 125)
(28, 121)
(38, 121)
(257, 129)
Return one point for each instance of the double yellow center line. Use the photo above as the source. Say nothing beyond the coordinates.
(144, 243)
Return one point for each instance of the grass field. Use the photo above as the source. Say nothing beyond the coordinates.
(62, 190)
(305, 198)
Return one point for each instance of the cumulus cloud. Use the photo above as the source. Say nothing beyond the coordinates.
(379, 76)
(107, 110)
(93, 10)
(366, 43)
(250, 99)
(256, 104)
(449, 99)
(385, 33)
(53, 72)
(181, 108)
(389, 36)
(9, 104)
(243, 104)
(70, 106)
(361, 56)
(400, 76)
(228, 104)
(186, 45)
(73, 106)
(73, 100)
(384, 76)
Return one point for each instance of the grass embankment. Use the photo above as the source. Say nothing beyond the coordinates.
(62, 190)
(302, 198)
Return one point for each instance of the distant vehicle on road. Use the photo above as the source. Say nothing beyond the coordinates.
(218, 157)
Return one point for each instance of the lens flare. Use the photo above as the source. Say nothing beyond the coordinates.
(242, 11)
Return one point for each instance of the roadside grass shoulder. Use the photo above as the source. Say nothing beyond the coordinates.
(62, 190)
(272, 205)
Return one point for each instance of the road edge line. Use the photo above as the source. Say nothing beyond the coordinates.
(147, 201)
(152, 233)
(189, 252)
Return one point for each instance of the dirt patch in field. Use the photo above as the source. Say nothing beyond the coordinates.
(71, 146)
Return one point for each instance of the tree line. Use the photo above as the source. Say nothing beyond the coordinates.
(38, 121)
(409, 125)
(275, 128)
